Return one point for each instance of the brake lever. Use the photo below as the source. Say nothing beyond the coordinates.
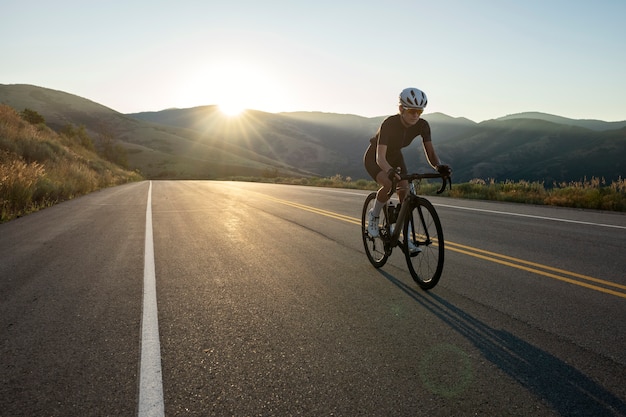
(445, 182)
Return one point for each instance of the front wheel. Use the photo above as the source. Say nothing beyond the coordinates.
(374, 246)
(423, 244)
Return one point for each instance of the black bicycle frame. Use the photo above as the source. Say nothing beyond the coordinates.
(403, 216)
(410, 201)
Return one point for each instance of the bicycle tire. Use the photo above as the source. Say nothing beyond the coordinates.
(424, 228)
(375, 248)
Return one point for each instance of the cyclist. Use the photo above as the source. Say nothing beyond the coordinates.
(384, 153)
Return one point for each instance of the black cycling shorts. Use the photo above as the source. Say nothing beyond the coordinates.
(372, 168)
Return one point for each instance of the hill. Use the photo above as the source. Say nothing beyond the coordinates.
(537, 150)
(512, 148)
(586, 123)
(157, 151)
(271, 136)
(202, 143)
(323, 143)
(39, 167)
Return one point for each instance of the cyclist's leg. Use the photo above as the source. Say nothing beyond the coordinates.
(403, 186)
(377, 174)
(403, 189)
(374, 213)
(382, 195)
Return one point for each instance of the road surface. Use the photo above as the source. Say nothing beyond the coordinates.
(243, 299)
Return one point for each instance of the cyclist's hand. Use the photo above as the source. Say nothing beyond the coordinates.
(444, 170)
(393, 174)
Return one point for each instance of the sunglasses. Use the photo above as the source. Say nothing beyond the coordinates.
(414, 112)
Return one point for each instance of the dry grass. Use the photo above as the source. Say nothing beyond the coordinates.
(590, 194)
(39, 167)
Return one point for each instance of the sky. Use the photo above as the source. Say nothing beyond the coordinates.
(480, 59)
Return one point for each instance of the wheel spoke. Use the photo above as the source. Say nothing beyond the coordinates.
(424, 231)
(374, 246)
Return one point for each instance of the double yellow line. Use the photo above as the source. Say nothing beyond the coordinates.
(316, 210)
(574, 278)
(539, 269)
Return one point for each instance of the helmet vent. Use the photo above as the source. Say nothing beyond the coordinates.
(413, 97)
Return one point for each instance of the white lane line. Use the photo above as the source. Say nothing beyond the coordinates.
(150, 375)
(556, 219)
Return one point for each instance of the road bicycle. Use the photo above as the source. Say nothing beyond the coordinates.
(417, 221)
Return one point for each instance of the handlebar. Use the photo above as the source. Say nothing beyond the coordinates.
(445, 180)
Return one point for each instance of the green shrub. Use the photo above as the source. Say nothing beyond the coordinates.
(32, 117)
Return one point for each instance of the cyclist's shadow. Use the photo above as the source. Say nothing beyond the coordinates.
(565, 388)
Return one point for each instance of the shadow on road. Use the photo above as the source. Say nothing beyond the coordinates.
(568, 391)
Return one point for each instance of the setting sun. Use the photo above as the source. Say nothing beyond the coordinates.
(231, 109)
(234, 86)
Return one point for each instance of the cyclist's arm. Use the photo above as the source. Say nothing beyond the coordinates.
(431, 155)
(381, 158)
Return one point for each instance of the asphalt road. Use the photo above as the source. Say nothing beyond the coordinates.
(267, 306)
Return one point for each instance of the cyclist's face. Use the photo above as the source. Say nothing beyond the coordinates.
(410, 116)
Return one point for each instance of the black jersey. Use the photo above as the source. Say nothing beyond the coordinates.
(396, 136)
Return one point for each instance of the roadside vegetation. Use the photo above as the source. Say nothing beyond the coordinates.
(40, 167)
(594, 193)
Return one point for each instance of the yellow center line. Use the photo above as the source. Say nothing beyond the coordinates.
(327, 213)
(450, 246)
(548, 268)
(533, 267)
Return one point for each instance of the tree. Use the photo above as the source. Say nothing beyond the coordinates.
(32, 117)
(78, 134)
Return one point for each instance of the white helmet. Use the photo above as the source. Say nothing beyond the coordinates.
(413, 98)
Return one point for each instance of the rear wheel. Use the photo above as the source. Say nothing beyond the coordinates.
(423, 228)
(374, 246)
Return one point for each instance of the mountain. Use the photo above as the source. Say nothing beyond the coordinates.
(323, 143)
(156, 150)
(586, 123)
(273, 136)
(536, 150)
(202, 143)
(511, 148)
